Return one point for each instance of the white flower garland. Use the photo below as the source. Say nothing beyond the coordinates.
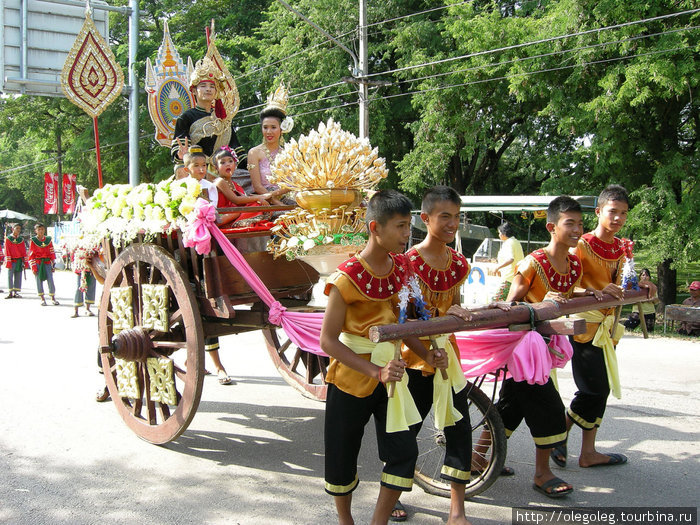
(121, 212)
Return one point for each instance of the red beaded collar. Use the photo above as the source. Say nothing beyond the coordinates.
(15, 240)
(373, 286)
(609, 251)
(439, 280)
(40, 243)
(555, 280)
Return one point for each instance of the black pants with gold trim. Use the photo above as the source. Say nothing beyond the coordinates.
(591, 378)
(540, 406)
(458, 437)
(346, 418)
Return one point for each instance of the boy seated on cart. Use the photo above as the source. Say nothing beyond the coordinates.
(363, 292)
(196, 167)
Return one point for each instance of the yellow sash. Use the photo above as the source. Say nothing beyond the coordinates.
(604, 340)
(401, 410)
(445, 413)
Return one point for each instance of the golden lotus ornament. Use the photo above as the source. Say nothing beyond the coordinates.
(328, 198)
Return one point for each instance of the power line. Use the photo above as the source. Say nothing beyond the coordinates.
(504, 77)
(28, 167)
(250, 108)
(483, 66)
(343, 35)
(535, 42)
(544, 55)
(529, 73)
(419, 13)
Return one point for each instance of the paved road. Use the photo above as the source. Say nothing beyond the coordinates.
(253, 454)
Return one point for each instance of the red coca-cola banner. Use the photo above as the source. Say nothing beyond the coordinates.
(50, 192)
(69, 192)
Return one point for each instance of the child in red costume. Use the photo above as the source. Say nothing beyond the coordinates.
(15, 261)
(41, 259)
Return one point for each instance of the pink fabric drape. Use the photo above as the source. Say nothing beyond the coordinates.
(303, 328)
(524, 353)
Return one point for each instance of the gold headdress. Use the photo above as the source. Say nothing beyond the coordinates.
(278, 99)
(205, 69)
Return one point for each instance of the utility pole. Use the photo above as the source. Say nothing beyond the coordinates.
(134, 172)
(360, 66)
(362, 87)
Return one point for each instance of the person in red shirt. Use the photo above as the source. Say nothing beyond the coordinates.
(15, 261)
(41, 259)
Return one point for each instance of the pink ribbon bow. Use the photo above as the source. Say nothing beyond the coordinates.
(196, 233)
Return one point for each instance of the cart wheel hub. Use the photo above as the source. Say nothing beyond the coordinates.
(132, 344)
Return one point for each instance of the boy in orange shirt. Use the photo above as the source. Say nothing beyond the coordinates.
(602, 257)
(363, 292)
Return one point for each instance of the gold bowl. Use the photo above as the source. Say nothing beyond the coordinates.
(328, 198)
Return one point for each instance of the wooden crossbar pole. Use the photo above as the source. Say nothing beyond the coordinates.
(496, 318)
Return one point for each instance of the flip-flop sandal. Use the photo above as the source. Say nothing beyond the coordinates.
(552, 484)
(74, 316)
(224, 379)
(615, 459)
(55, 303)
(557, 453)
(91, 314)
(400, 508)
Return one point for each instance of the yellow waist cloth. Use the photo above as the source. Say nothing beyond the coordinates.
(401, 410)
(445, 413)
(603, 339)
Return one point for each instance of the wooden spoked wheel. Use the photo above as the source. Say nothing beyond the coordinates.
(301, 369)
(488, 448)
(178, 342)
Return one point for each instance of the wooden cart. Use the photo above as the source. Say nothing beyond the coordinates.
(161, 301)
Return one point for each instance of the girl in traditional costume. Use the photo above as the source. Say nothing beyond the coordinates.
(274, 122)
(231, 194)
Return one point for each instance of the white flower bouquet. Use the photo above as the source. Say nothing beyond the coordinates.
(121, 212)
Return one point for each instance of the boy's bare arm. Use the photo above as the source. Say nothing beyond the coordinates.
(330, 331)
(519, 288)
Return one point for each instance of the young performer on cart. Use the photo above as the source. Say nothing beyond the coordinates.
(205, 125)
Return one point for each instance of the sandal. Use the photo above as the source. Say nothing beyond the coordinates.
(615, 459)
(102, 395)
(90, 313)
(401, 510)
(548, 488)
(224, 379)
(557, 454)
(55, 302)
